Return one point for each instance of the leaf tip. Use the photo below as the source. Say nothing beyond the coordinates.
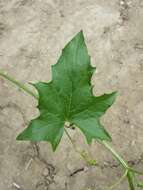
(18, 138)
(113, 96)
(54, 146)
(116, 93)
(79, 35)
(81, 32)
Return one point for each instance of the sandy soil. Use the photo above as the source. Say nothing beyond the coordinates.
(32, 34)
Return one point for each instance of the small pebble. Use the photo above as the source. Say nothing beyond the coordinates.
(133, 143)
(45, 172)
(16, 185)
(85, 169)
(122, 2)
(132, 126)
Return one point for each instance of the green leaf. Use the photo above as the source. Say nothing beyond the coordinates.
(68, 97)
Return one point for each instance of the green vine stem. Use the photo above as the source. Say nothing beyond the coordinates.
(18, 84)
(128, 171)
(129, 175)
(116, 155)
(122, 178)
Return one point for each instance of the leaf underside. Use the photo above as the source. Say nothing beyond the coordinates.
(68, 97)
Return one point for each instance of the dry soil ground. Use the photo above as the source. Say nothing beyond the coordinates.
(32, 34)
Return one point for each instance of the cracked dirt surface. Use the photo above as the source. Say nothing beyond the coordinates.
(32, 34)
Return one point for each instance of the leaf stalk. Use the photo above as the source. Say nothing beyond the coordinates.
(18, 84)
(82, 155)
